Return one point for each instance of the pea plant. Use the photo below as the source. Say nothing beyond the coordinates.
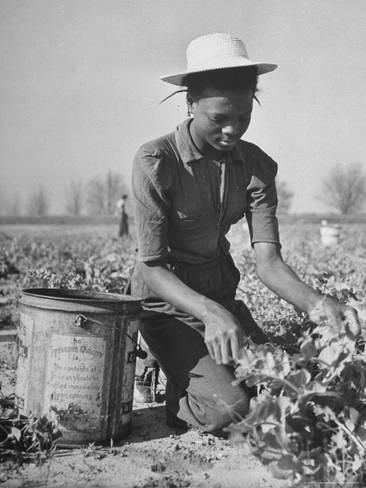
(308, 421)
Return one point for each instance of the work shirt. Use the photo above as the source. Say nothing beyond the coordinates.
(121, 206)
(182, 208)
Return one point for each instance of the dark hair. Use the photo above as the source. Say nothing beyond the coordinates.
(221, 79)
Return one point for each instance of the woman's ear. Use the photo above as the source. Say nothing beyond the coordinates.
(190, 105)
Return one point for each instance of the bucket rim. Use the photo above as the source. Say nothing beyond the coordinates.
(80, 296)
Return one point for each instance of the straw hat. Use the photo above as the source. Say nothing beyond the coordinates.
(216, 51)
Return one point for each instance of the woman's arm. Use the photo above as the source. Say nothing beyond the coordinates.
(223, 332)
(285, 283)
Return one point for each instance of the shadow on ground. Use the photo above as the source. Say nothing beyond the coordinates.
(149, 423)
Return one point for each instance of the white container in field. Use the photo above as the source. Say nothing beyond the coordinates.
(329, 234)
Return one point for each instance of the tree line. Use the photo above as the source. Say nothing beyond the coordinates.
(343, 190)
(96, 197)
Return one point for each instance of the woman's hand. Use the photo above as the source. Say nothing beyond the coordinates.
(283, 281)
(223, 334)
(338, 315)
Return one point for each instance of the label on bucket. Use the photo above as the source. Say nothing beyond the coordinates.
(25, 335)
(75, 370)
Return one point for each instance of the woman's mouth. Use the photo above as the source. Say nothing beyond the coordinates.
(227, 142)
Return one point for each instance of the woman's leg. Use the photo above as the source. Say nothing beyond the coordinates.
(199, 391)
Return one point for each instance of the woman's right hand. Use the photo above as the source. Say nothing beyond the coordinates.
(223, 334)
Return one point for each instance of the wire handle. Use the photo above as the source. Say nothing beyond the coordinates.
(81, 321)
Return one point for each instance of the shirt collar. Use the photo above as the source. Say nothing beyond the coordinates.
(188, 151)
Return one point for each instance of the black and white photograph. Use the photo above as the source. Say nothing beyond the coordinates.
(182, 244)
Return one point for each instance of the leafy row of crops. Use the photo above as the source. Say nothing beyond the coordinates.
(308, 421)
(88, 260)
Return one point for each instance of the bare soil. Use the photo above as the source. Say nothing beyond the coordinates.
(153, 456)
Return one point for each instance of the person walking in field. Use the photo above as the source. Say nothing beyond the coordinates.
(123, 230)
(189, 187)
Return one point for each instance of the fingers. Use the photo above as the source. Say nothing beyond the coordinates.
(217, 350)
(214, 350)
(220, 353)
(211, 350)
(235, 347)
(343, 317)
(224, 348)
(338, 315)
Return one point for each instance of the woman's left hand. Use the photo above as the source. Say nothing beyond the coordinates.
(338, 314)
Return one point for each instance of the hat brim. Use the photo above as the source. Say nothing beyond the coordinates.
(178, 78)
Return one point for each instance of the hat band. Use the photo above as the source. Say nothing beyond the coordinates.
(218, 63)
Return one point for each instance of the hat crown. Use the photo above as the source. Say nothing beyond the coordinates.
(213, 49)
(216, 51)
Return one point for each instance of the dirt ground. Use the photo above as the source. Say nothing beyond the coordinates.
(152, 456)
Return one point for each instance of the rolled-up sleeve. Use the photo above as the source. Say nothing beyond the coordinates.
(262, 199)
(149, 184)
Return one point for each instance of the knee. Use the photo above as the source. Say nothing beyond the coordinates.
(218, 413)
(224, 413)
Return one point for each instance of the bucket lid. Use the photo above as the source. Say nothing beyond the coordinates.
(66, 299)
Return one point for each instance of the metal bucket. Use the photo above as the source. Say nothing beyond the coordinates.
(329, 235)
(77, 358)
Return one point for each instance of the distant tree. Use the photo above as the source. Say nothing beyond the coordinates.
(39, 202)
(285, 197)
(10, 202)
(14, 206)
(103, 193)
(75, 198)
(344, 189)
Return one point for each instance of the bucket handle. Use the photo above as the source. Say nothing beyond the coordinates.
(81, 321)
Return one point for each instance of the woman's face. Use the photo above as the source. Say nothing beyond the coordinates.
(220, 118)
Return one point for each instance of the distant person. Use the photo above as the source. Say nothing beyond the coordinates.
(123, 230)
(189, 187)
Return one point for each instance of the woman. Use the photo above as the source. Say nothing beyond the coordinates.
(189, 187)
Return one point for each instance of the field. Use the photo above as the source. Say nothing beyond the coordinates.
(91, 257)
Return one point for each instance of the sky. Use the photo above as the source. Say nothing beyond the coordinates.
(80, 87)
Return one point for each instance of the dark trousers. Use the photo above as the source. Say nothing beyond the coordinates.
(123, 226)
(199, 391)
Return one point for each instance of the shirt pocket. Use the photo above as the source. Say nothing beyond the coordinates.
(187, 206)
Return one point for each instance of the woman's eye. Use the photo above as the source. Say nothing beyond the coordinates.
(217, 120)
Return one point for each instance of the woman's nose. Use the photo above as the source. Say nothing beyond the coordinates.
(231, 129)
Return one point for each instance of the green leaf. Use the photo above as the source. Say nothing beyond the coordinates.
(361, 434)
(272, 441)
(278, 473)
(299, 378)
(288, 462)
(357, 464)
(308, 349)
(351, 325)
(338, 439)
(352, 419)
(331, 353)
(15, 433)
